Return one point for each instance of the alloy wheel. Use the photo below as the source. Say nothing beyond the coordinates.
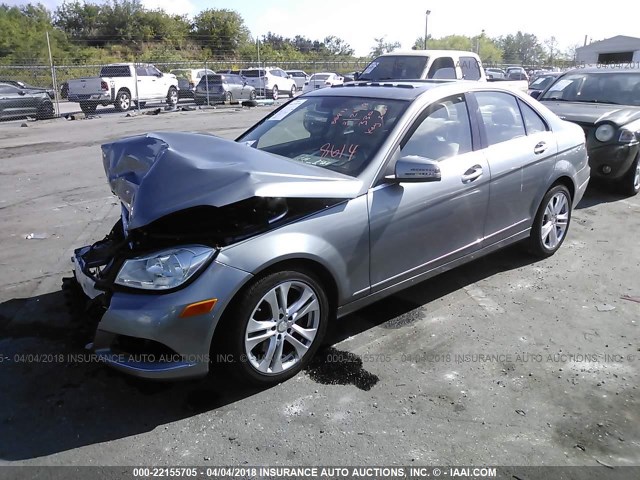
(282, 327)
(555, 221)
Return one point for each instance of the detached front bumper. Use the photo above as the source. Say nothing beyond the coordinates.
(143, 334)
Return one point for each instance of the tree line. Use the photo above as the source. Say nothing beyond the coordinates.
(120, 30)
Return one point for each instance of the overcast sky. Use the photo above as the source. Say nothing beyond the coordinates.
(358, 22)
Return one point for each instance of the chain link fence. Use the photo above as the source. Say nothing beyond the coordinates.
(42, 90)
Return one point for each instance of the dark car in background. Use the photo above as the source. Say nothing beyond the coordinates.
(542, 81)
(18, 102)
(188, 78)
(605, 102)
(223, 88)
(26, 86)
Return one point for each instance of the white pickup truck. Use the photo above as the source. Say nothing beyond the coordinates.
(124, 84)
(432, 64)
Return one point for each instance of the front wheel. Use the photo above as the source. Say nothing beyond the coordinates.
(228, 98)
(252, 95)
(292, 92)
(274, 92)
(631, 180)
(123, 101)
(275, 327)
(551, 223)
(172, 97)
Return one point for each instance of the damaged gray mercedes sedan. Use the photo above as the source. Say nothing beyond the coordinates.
(242, 252)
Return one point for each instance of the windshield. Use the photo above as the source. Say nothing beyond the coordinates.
(395, 67)
(211, 79)
(541, 83)
(613, 87)
(338, 133)
(319, 76)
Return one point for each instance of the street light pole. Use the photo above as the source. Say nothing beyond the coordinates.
(426, 29)
(478, 42)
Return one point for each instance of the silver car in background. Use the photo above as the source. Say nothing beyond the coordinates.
(245, 251)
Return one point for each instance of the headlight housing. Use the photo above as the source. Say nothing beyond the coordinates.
(164, 270)
(605, 132)
(627, 136)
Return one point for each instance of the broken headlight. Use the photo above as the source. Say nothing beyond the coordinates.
(164, 270)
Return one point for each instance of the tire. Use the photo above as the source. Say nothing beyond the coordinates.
(551, 223)
(88, 108)
(172, 97)
(123, 101)
(630, 183)
(292, 93)
(45, 111)
(258, 340)
(228, 98)
(274, 92)
(252, 95)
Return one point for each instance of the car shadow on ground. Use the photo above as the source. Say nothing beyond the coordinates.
(55, 399)
(599, 193)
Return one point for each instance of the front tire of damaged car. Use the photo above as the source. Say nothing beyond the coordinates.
(274, 329)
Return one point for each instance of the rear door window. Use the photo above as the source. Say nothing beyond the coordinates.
(470, 68)
(442, 67)
(500, 116)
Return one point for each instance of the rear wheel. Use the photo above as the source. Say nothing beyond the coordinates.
(274, 92)
(228, 97)
(123, 101)
(88, 107)
(275, 326)
(252, 95)
(551, 223)
(292, 92)
(631, 180)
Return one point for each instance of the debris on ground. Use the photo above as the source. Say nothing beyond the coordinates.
(75, 116)
(154, 112)
(521, 412)
(605, 307)
(36, 236)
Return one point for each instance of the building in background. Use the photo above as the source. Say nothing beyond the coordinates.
(618, 49)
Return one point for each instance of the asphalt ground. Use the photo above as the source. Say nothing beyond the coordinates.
(504, 361)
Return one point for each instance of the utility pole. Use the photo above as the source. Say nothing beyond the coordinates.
(53, 77)
(426, 28)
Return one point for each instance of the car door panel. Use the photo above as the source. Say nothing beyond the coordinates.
(416, 227)
(517, 161)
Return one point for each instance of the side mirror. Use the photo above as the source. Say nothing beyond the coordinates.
(356, 75)
(289, 76)
(413, 168)
(21, 92)
(535, 93)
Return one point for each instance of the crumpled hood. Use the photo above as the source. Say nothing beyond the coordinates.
(161, 173)
(592, 113)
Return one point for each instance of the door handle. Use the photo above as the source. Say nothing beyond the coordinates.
(472, 174)
(540, 147)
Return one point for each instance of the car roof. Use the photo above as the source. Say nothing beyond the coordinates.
(422, 53)
(407, 90)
